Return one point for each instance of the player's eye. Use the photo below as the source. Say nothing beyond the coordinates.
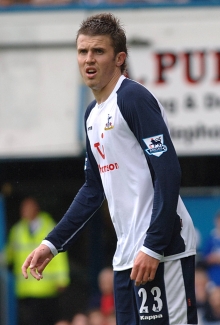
(99, 51)
(82, 51)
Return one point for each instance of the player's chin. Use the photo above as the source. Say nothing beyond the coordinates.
(89, 83)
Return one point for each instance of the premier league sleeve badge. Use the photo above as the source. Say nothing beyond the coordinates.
(155, 145)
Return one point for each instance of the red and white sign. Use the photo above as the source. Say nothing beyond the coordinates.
(180, 64)
(173, 52)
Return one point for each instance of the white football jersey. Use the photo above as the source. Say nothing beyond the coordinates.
(132, 163)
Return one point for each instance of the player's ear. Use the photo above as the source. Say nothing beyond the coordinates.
(120, 58)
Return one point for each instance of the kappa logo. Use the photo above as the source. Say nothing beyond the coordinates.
(155, 145)
(109, 125)
(151, 317)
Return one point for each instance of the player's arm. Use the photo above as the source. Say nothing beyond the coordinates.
(166, 177)
(88, 200)
(144, 118)
(83, 207)
(143, 115)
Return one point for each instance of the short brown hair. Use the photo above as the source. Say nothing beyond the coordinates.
(106, 24)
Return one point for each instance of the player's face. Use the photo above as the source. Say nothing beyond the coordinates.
(98, 64)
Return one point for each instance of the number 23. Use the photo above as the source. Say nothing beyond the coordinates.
(156, 292)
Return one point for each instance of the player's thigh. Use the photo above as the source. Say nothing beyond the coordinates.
(125, 301)
(170, 298)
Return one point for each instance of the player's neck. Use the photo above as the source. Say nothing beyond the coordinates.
(101, 95)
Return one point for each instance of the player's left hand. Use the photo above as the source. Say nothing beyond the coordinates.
(144, 268)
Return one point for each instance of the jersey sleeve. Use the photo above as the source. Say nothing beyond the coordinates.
(143, 115)
(88, 200)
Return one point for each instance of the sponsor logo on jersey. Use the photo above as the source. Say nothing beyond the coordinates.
(104, 168)
(155, 145)
(109, 125)
(151, 317)
(108, 168)
(89, 128)
(101, 151)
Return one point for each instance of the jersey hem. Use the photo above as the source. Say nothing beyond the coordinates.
(178, 256)
(151, 253)
(164, 259)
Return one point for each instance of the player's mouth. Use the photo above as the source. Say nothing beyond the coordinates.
(90, 72)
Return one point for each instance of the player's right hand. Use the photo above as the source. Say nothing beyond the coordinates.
(144, 268)
(37, 261)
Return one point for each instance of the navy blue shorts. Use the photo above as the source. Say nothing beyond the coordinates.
(167, 300)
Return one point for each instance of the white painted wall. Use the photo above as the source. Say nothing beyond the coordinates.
(40, 87)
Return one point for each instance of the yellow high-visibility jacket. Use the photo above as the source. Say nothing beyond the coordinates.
(20, 244)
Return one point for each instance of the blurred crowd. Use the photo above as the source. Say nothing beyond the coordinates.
(102, 312)
(207, 277)
(207, 287)
(48, 302)
(5, 3)
(34, 224)
(208, 298)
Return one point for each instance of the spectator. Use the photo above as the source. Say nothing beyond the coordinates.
(110, 319)
(212, 252)
(212, 312)
(96, 317)
(105, 281)
(37, 302)
(64, 322)
(202, 285)
(80, 319)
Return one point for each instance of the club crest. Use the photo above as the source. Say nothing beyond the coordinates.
(109, 125)
(155, 145)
